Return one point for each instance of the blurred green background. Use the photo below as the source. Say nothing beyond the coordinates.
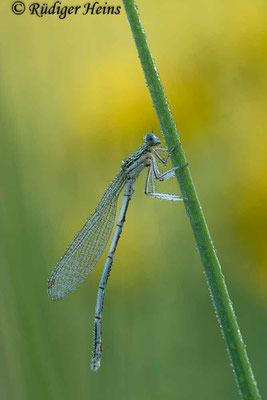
(73, 104)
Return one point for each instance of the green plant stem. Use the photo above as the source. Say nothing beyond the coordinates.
(218, 290)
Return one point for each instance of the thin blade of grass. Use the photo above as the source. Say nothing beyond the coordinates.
(222, 303)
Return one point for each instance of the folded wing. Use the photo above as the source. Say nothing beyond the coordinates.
(88, 245)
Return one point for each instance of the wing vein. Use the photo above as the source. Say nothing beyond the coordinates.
(88, 245)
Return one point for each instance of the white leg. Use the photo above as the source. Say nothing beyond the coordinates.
(163, 160)
(165, 175)
(150, 191)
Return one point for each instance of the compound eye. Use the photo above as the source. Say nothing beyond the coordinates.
(151, 139)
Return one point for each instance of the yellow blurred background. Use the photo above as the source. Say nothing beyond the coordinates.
(73, 105)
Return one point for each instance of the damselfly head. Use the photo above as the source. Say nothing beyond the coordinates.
(151, 139)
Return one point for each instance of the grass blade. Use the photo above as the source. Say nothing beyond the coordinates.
(223, 306)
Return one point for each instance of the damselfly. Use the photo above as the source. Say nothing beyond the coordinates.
(88, 245)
